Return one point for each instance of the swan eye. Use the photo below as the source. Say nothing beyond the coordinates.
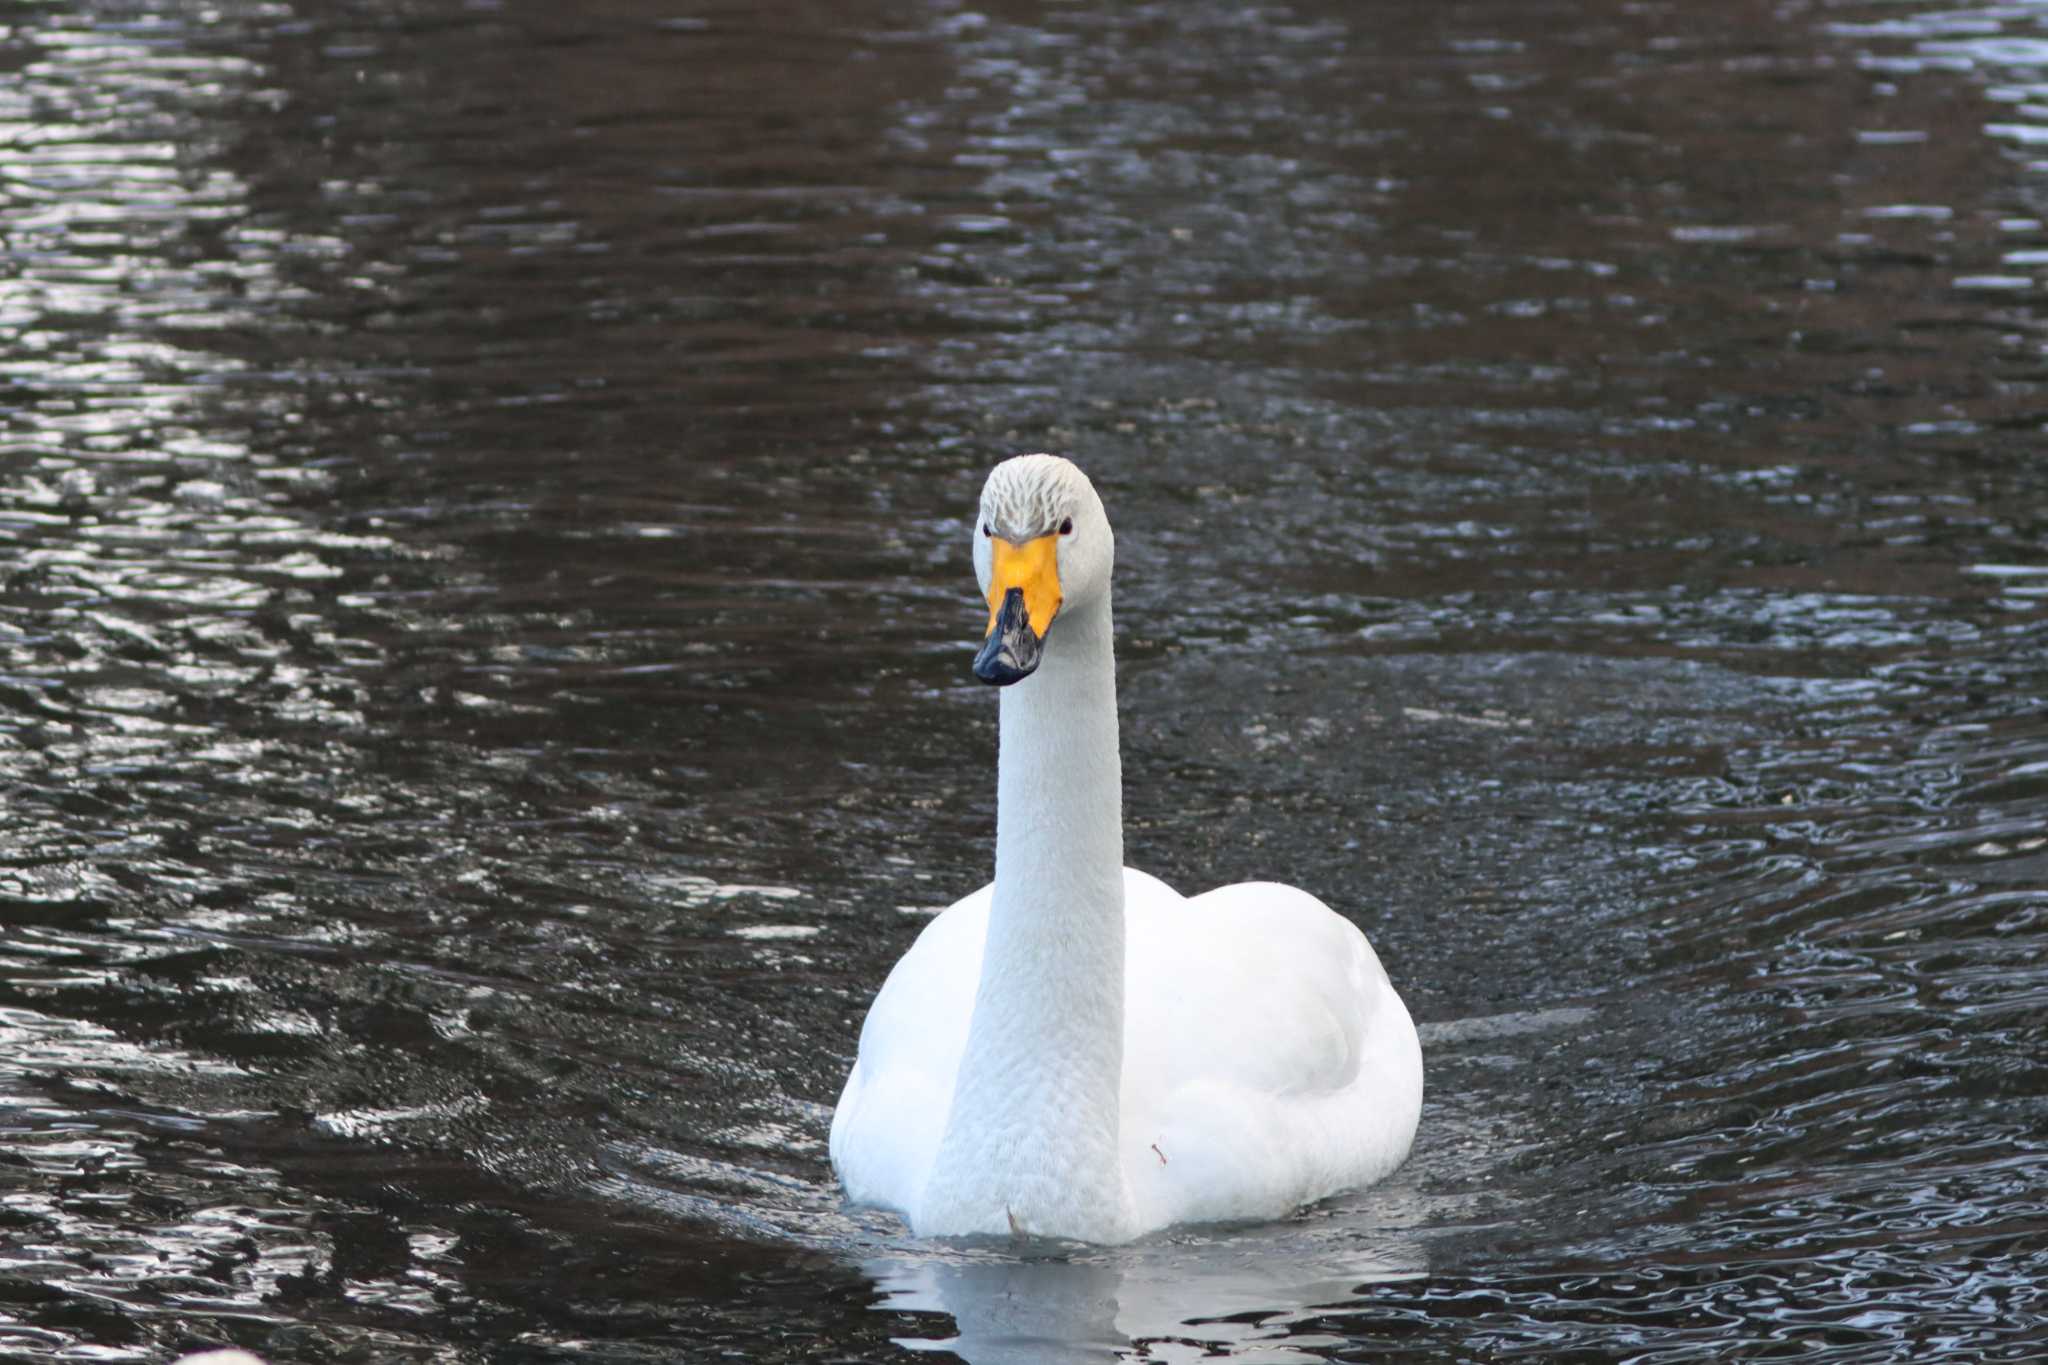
(1067, 527)
(985, 529)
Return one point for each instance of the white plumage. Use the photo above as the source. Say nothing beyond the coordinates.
(1076, 1050)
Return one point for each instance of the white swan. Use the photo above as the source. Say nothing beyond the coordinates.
(1076, 1050)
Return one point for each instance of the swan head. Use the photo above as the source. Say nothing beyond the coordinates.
(1041, 547)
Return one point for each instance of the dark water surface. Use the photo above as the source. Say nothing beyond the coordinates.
(485, 610)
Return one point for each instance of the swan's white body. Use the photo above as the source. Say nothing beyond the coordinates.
(1078, 1051)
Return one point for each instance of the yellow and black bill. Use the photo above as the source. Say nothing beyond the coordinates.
(1023, 597)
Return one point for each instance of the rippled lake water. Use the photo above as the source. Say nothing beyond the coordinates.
(485, 611)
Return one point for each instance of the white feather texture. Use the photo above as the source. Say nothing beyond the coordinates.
(1078, 1051)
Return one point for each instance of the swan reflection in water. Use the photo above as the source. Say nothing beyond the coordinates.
(1250, 1290)
(1245, 1292)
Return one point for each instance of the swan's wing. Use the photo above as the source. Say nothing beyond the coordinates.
(886, 1129)
(1266, 1055)
(1256, 985)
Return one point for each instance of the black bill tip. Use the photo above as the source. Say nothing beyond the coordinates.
(1012, 649)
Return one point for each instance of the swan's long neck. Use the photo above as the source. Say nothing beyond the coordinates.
(1032, 1142)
